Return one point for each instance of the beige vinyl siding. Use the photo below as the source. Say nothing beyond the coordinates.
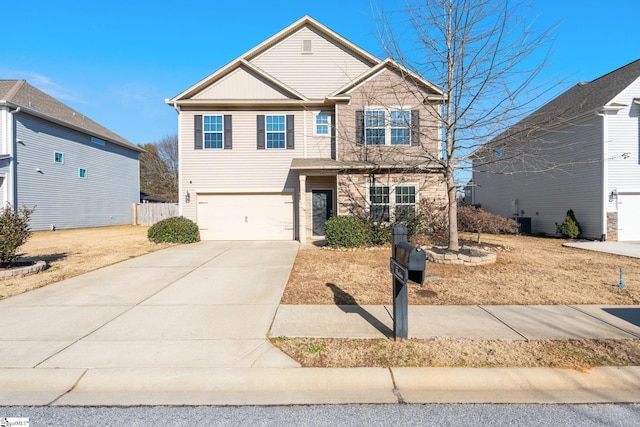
(315, 75)
(387, 90)
(546, 196)
(240, 169)
(318, 146)
(623, 137)
(241, 84)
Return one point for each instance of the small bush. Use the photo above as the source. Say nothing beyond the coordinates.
(570, 228)
(346, 231)
(14, 232)
(177, 229)
(476, 220)
(432, 220)
(380, 233)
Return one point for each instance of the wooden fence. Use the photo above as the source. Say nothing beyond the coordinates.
(150, 213)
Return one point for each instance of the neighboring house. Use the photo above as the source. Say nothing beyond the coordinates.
(303, 127)
(75, 172)
(592, 130)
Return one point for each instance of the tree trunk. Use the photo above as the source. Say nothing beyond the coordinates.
(453, 213)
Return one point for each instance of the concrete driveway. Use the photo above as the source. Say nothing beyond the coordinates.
(206, 305)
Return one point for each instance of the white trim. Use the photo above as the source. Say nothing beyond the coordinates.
(387, 123)
(328, 124)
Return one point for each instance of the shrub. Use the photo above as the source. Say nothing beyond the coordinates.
(476, 220)
(570, 228)
(380, 233)
(177, 229)
(432, 220)
(14, 232)
(346, 231)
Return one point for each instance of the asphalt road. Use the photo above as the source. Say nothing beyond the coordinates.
(333, 415)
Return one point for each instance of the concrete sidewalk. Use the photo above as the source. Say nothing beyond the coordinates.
(188, 326)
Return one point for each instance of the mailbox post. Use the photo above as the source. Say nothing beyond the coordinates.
(407, 263)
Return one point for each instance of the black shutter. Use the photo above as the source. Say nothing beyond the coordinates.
(197, 132)
(359, 127)
(415, 127)
(260, 131)
(227, 133)
(290, 131)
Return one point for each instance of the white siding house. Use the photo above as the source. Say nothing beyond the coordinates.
(73, 171)
(272, 144)
(590, 138)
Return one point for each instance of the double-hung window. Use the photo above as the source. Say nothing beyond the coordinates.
(389, 203)
(213, 131)
(387, 126)
(275, 131)
(322, 124)
(405, 209)
(379, 198)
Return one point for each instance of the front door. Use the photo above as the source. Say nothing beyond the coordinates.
(322, 209)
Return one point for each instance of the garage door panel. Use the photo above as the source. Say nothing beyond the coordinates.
(245, 216)
(629, 217)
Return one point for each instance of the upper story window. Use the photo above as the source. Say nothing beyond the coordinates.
(58, 157)
(82, 173)
(383, 126)
(213, 131)
(323, 121)
(275, 131)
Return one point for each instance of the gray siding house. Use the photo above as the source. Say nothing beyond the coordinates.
(303, 127)
(589, 140)
(75, 172)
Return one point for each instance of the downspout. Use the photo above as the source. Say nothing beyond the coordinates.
(11, 151)
(176, 107)
(605, 174)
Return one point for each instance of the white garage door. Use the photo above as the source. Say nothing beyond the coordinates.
(629, 217)
(245, 216)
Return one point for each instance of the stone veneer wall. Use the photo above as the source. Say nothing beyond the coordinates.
(612, 226)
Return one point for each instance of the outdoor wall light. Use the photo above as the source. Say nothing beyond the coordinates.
(626, 155)
(187, 198)
(613, 195)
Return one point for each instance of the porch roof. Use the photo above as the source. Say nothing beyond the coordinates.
(323, 164)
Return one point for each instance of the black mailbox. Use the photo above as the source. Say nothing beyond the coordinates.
(414, 259)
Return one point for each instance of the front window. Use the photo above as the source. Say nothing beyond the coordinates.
(392, 204)
(405, 203)
(387, 127)
(213, 131)
(374, 125)
(275, 131)
(322, 124)
(379, 198)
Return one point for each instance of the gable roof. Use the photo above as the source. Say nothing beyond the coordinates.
(31, 100)
(583, 98)
(393, 65)
(305, 21)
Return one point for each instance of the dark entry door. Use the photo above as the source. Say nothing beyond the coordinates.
(322, 209)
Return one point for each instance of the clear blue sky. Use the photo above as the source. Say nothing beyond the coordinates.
(117, 61)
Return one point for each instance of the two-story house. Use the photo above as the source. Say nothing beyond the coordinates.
(74, 171)
(580, 151)
(303, 127)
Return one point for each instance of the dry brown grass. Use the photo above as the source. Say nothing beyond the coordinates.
(569, 354)
(529, 270)
(73, 252)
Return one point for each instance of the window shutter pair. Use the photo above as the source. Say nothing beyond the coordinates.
(415, 127)
(198, 134)
(261, 134)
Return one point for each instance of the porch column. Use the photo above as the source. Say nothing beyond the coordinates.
(302, 208)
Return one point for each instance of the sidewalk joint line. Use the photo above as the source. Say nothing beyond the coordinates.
(503, 322)
(604, 321)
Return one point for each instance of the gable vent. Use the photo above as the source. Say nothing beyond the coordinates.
(307, 47)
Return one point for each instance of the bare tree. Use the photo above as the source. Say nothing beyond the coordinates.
(484, 56)
(159, 169)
